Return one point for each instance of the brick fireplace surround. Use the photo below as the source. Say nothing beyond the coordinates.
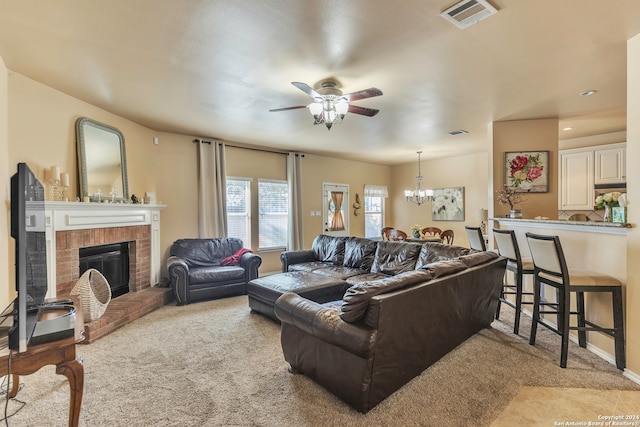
(76, 225)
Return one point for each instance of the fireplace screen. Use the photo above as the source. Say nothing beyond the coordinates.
(112, 261)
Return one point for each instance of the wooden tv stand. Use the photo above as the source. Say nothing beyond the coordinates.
(61, 353)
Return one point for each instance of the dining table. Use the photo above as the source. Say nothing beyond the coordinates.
(423, 239)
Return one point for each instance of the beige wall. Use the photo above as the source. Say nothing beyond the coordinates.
(42, 133)
(527, 135)
(6, 292)
(440, 173)
(633, 194)
(317, 170)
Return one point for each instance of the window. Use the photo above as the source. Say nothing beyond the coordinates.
(374, 196)
(273, 214)
(239, 210)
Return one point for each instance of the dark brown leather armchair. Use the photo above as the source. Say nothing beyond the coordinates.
(197, 269)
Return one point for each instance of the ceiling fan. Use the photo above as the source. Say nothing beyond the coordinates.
(330, 105)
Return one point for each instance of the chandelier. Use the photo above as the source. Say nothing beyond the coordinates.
(419, 196)
(329, 109)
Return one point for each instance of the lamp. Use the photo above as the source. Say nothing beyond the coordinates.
(482, 215)
(329, 109)
(418, 196)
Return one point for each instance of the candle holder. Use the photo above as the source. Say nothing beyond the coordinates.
(56, 190)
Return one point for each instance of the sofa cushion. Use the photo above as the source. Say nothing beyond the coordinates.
(368, 277)
(445, 268)
(433, 252)
(395, 257)
(215, 274)
(359, 252)
(339, 272)
(205, 252)
(476, 258)
(309, 266)
(329, 248)
(356, 299)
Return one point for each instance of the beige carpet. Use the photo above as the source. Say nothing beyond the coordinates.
(217, 364)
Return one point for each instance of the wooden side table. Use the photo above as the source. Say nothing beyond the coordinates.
(61, 353)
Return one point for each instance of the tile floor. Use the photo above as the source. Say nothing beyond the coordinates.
(544, 406)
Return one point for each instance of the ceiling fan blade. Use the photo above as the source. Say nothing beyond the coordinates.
(307, 89)
(366, 93)
(288, 108)
(363, 110)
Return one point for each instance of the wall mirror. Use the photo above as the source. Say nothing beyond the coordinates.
(101, 161)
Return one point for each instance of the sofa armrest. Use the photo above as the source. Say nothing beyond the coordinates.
(296, 257)
(250, 263)
(179, 278)
(325, 324)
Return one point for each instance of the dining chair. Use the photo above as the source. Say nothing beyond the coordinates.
(508, 248)
(447, 237)
(476, 239)
(396, 235)
(431, 232)
(385, 233)
(550, 268)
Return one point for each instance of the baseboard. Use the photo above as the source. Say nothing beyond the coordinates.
(632, 376)
(597, 351)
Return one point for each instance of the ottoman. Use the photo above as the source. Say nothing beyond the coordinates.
(264, 291)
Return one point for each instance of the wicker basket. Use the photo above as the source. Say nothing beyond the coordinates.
(94, 292)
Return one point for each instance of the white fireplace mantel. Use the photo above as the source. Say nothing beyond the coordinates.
(65, 216)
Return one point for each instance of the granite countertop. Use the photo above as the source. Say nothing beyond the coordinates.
(565, 222)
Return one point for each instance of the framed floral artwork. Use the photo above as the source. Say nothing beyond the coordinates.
(527, 171)
(448, 204)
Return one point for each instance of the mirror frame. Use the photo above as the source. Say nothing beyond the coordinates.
(81, 123)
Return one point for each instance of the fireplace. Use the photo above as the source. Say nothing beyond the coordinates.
(112, 261)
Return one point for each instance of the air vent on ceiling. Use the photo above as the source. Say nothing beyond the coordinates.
(468, 12)
(458, 132)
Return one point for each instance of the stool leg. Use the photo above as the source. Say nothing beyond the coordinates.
(500, 299)
(536, 310)
(516, 322)
(582, 334)
(563, 314)
(618, 325)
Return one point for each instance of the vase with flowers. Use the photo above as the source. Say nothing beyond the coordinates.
(511, 196)
(610, 200)
(415, 230)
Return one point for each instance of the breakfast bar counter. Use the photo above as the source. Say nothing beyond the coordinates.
(587, 245)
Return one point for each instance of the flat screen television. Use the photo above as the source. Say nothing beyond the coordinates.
(28, 230)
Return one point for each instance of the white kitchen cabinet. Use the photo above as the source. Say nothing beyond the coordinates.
(576, 179)
(610, 166)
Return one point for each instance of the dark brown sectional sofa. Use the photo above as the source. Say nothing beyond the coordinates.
(363, 317)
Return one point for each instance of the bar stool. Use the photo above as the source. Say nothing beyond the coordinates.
(476, 239)
(550, 268)
(508, 248)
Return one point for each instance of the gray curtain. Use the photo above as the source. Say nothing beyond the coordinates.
(294, 178)
(212, 190)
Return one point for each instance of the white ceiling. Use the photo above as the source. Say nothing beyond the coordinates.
(213, 68)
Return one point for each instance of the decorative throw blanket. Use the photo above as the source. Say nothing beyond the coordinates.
(235, 258)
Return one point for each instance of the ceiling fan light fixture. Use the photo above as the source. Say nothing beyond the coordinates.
(330, 105)
(315, 108)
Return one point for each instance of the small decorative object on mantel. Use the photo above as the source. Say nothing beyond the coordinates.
(134, 199)
(511, 196)
(610, 200)
(415, 230)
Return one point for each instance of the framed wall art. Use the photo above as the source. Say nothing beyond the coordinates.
(448, 204)
(527, 171)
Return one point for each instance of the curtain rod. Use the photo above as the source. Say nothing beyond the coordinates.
(249, 148)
